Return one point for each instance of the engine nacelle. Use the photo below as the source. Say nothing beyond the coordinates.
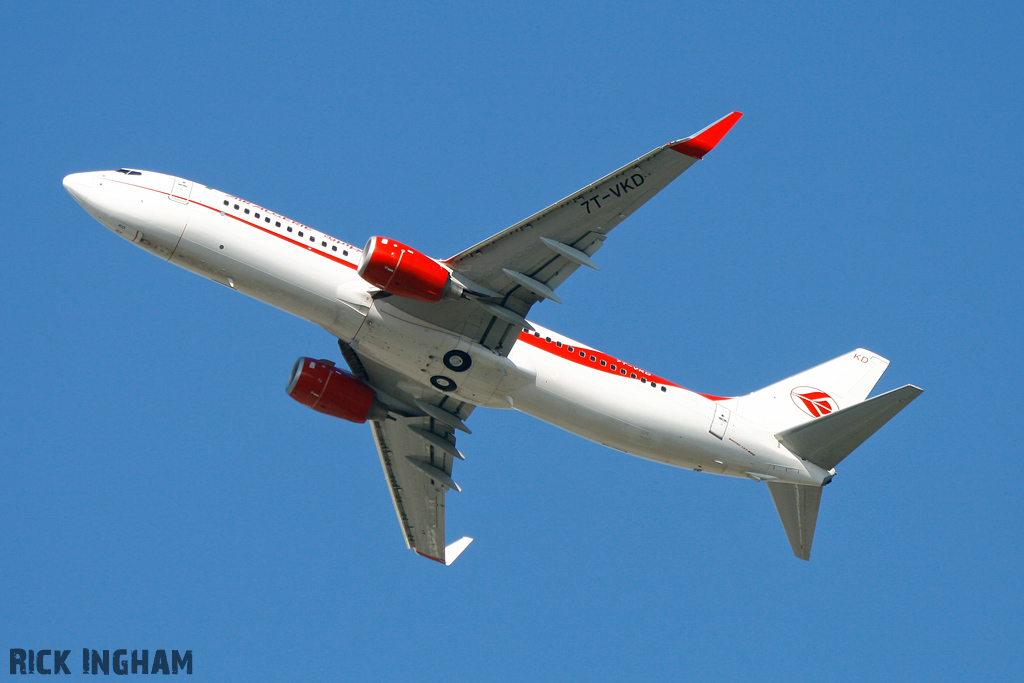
(398, 269)
(331, 391)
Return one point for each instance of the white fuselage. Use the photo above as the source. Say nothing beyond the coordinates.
(551, 377)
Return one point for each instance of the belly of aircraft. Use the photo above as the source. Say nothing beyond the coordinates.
(433, 359)
(673, 427)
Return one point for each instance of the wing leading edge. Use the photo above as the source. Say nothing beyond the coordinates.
(548, 246)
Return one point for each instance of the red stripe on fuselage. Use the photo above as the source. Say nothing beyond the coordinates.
(284, 237)
(612, 366)
(257, 226)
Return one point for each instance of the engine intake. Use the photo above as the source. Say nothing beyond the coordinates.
(399, 269)
(326, 389)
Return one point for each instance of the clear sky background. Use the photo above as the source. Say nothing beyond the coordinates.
(160, 490)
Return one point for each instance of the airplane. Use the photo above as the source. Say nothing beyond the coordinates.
(427, 341)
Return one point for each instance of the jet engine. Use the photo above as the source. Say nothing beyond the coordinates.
(326, 389)
(398, 269)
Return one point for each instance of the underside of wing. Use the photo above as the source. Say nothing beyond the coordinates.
(416, 445)
(550, 245)
(418, 475)
(499, 280)
(509, 272)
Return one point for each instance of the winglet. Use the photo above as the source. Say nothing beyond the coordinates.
(453, 550)
(702, 142)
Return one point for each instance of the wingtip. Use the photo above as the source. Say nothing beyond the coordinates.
(703, 141)
(430, 557)
(453, 550)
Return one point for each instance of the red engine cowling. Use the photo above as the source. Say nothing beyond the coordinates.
(398, 269)
(331, 391)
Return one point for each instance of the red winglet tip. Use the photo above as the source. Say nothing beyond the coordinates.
(702, 142)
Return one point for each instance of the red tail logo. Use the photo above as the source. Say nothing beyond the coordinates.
(814, 402)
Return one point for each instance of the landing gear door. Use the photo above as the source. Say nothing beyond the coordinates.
(721, 420)
(180, 191)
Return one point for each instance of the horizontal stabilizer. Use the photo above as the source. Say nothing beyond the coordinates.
(826, 440)
(798, 509)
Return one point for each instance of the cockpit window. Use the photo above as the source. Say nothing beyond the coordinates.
(128, 171)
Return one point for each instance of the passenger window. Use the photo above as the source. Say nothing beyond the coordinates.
(267, 219)
(583, 354)
(312, 238)
(571, 349)
(622, 372)
(547, 339)
(277, 224)
(257, 215)
(300, 233)
(289, 228)
(663, 388)
(604, 363)
(345, 252)
(323, 244)
(226, 203)
(644, 380)
(558, 344)
(333, 248)
(236, 207)
(633, 375)
(247, 210)
(593, 358)
(613, 367)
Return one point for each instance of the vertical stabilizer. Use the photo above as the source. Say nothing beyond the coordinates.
(822, 390)
(821, 415)
(798, 509)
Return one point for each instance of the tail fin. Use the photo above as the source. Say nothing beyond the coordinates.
(825, 389)
(825, 442)
(821, 415)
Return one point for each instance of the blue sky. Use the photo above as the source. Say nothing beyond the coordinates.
(161, 491)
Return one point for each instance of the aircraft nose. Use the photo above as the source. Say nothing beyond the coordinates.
(78, 185)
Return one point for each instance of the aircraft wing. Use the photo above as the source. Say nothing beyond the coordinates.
(417, 454)
(503, 277)
(526, 263)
